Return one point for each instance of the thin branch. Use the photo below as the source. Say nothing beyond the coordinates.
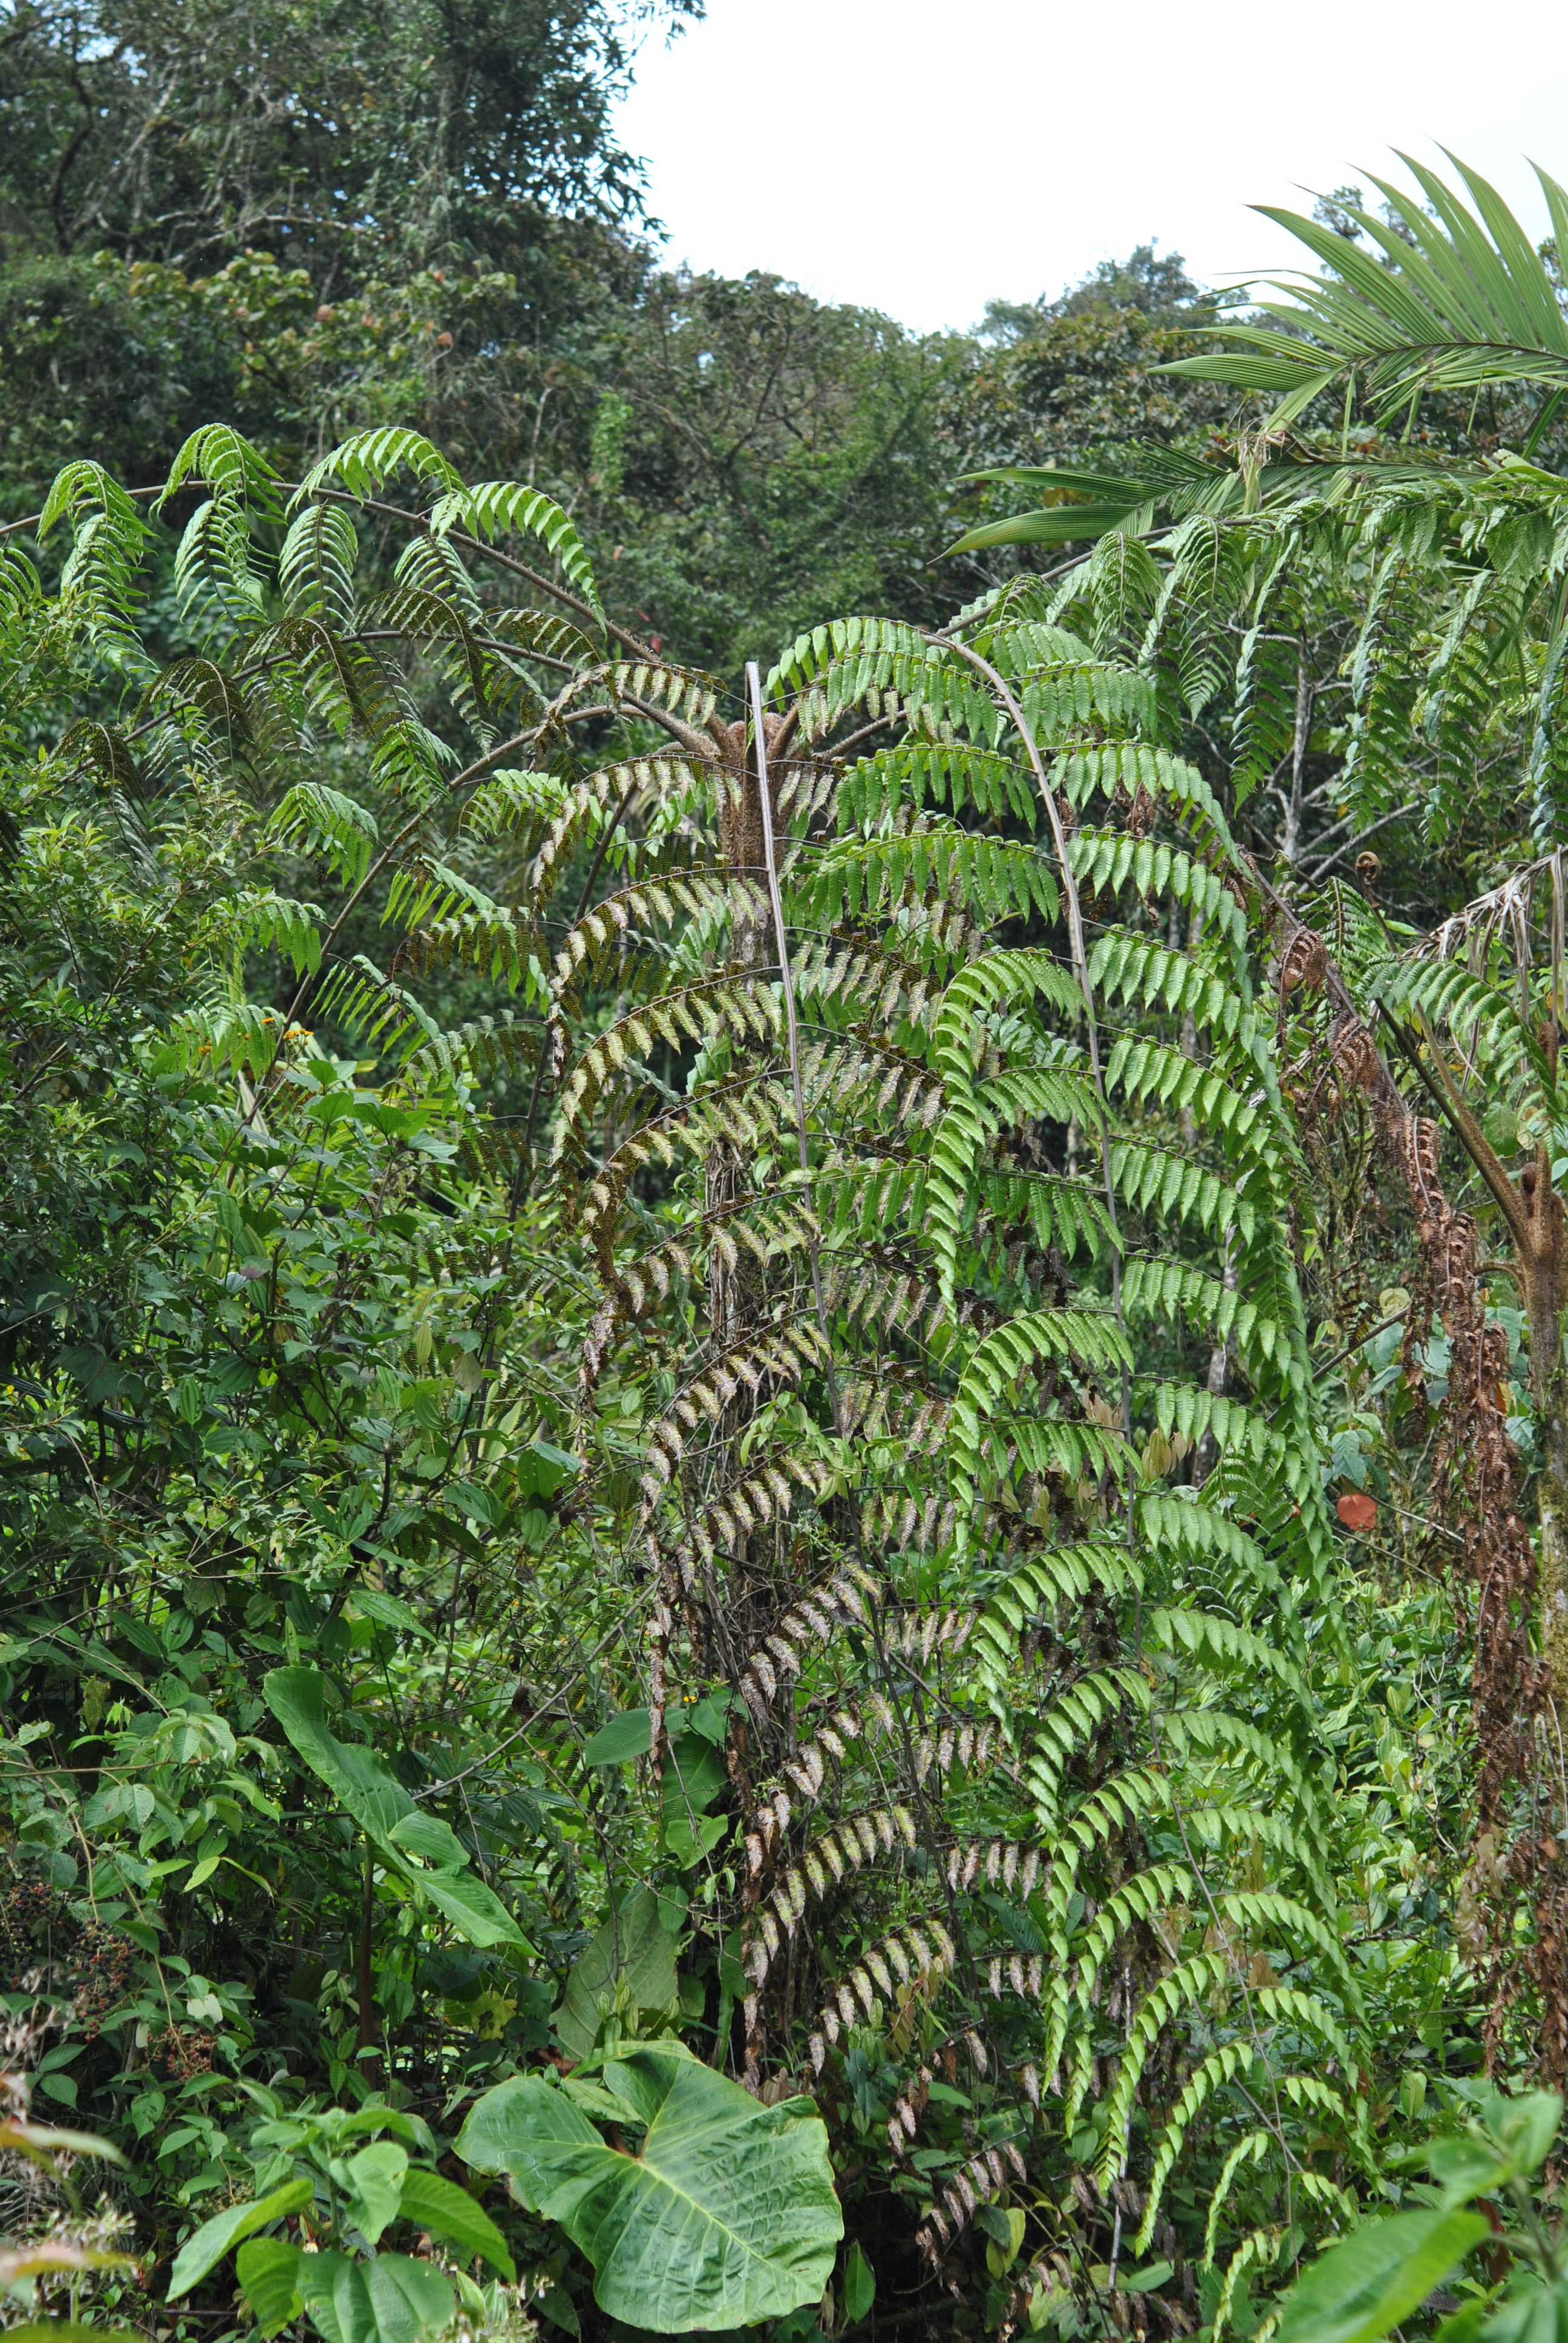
(1412, 806)
(754, 682)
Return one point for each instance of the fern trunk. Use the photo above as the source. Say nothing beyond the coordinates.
(1544, 1268)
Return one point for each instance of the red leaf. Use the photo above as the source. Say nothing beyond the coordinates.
(1357, 1512)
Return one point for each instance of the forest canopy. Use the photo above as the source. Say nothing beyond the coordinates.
(783, 1426)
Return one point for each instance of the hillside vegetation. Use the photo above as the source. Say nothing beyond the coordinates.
(783, 1427)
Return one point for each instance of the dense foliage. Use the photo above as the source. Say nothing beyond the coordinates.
(310, 130)
(805, 1427)
(422, 215)
(785, 1451)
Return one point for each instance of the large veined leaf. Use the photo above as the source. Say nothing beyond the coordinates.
(268, 2270)
(449, 2212)
(384, 2187)
(392, 2299)
(419, 1848)
(375, 2174)
(633, 1948)
(1377, 2275)
(725, 2215)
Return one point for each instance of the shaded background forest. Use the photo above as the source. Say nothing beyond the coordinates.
(310, 220)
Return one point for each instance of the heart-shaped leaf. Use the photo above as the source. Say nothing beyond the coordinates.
(694, 1775)
(726, 2216)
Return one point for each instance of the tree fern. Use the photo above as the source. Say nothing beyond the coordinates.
(941, 1294)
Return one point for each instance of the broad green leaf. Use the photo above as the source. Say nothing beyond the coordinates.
(1531, 2312)
(376, 2117)
(392, 2299)
(207, 2247)
(449, 2212)
(69, 2331)
(726, 2216)
(1370, 2281)
(1514, 2138)
(542, 1468)
(527, 2129)
(710, 1715)
(626, 1736)
(557, 2305)
(693, 1777)
(593, 2095)
(689, 1845)
(431, 1840)
(41, 2142)
(1528, 2125)
(367, 1789)
(410, 2299)
(1464, 2167)
(388, 1611)
(361, 1782)
(470, 1906)
(1003, 2251)
(376, 2174)
(268, 2270)
(859, 2286)
(633, 1948)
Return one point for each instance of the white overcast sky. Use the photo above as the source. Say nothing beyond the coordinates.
(920, 156)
